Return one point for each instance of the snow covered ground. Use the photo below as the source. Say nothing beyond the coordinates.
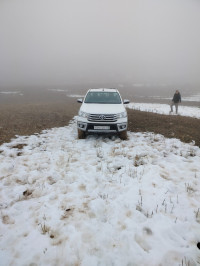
(99, 201)
(165, 108)
(57, 90)
(11, 92)
(76, 95)
(191, 98)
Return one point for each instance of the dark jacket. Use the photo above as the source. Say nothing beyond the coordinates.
(176, 98)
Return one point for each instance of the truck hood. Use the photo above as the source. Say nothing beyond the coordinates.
(102, 108)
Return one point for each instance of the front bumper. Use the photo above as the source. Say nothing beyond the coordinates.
(102, 128)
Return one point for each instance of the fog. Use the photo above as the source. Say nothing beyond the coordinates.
(60, 42)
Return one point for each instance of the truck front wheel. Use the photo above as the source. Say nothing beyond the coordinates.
(123, 135)
(81, 134)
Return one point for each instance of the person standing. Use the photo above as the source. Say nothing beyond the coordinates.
(175, 101)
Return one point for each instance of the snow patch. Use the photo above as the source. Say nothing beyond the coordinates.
(99, 201)
(164, 109)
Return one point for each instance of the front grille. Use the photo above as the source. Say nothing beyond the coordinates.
(102, 118)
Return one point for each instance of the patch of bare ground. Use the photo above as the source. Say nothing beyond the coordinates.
(27, 119)
(184, 128)
(30, 118)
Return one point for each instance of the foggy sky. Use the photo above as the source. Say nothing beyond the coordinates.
(56, 42)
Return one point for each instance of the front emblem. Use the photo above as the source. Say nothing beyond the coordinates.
(101, 117)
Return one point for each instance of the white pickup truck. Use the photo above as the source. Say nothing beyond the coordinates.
(102, 111)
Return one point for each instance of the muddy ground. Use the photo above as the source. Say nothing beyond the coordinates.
(184, 128)
(29, 117)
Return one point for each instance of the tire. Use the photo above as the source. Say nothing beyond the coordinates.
(123, 135)
(81, 134)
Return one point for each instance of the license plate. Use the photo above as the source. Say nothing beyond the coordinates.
(102, 127)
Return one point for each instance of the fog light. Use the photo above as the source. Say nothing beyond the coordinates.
(82, 125)
(122, 126)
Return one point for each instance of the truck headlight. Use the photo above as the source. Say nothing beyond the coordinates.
(83, 114)
(122, 115)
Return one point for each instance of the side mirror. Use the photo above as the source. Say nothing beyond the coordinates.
(79, 100)
(126, 101)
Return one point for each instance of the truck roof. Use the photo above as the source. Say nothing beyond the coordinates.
(105, 89)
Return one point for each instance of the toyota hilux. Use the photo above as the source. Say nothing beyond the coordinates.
(102, 111)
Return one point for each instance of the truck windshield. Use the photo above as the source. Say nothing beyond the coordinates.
(103, 97)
